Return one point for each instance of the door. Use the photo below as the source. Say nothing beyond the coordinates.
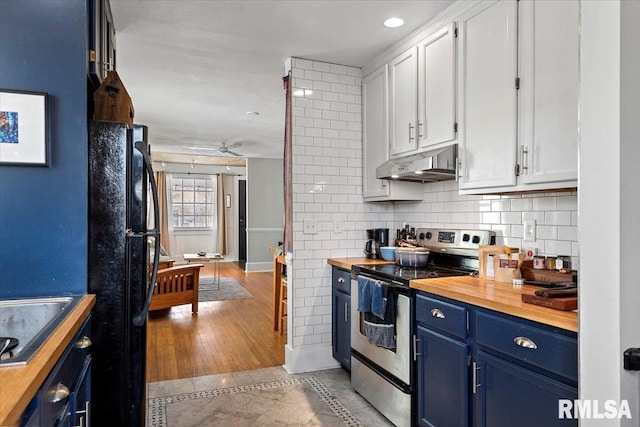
(443, 380)
(403, 103)
(548, 96)
(437, 88)
(342, 328)
(375, 132)
(242, 220)
(504, 388)
(487, 71)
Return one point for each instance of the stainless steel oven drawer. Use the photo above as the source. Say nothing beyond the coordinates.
(441, 315)
(546, 349)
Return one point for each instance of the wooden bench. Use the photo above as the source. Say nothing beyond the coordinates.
(176, 286)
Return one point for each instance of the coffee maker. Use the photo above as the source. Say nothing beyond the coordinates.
(376, 238)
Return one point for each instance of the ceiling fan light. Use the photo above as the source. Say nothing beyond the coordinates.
(393, 22)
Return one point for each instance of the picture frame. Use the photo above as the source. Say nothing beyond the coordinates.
(24, 131)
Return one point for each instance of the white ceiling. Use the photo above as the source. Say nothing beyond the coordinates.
(194, 68)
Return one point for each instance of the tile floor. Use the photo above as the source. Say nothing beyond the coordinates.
(264, 397)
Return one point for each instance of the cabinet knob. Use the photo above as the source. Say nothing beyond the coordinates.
(525, 342)
(340, 279)
(57, 394)
(437, 313)
(84, 342)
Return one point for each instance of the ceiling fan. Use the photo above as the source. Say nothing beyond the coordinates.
(222, 149)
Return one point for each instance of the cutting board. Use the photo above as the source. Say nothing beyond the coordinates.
(565, 304)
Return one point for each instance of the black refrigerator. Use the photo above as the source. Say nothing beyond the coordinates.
(120, 175)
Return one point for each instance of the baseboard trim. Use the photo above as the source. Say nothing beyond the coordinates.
(308, 359)
(253, 267)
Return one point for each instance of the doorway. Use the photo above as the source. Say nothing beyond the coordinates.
(242, 223)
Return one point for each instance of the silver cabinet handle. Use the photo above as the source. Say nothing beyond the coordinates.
(415, 348)
(420, 135)
(474, 374)
(525, 158)
(525, 342)
(346, 310)
(459, 170)
(411, 127)
(57, 394)
(84, 342)
(85, 415)
(340, 279)
(437, 313)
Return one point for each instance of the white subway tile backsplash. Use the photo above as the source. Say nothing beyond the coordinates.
(491, 217)
(557, 218)
(544, 204)
(510, 218)
(567, 233)
(546, 232)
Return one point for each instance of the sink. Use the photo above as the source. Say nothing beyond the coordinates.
(32, 321)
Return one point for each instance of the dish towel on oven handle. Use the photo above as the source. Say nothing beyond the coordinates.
(372, 296)
(382, 332)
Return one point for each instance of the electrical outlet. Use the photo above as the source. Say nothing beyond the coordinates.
(337, 226)
(529, 230)
(310, 227)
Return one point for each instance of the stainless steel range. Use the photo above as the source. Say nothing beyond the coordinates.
(380, 374)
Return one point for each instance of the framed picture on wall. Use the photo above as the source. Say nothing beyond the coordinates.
(24, 137)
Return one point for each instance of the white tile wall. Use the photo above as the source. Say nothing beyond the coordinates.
(327, 186)
(555, 214)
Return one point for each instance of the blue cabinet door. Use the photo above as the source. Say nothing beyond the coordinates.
(341, 333)
(508, 395)
(443, 380)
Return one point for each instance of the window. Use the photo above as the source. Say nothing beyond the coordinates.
(192, 201)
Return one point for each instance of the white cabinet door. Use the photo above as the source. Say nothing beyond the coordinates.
(375, 133)
(549, 72)
(403, 93)
(375, 147)
(437, 89)
(487, 69)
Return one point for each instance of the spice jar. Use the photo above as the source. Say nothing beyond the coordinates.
(550, 262)
(538, 262)
(563, 262)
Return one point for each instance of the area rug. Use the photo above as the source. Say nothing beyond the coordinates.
(229, 289)
(297, 401)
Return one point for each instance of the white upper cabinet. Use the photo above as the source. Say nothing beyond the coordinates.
(487, 70)
(518, 96)
(403, 102)
(548, 96)
(375, 149)
(437, 89)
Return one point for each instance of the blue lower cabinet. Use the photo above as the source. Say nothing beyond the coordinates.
(443, 378)
(341, 316)
(503, 372)
(342, 328)
(508, 395)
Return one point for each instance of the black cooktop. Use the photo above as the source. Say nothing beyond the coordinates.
(438, 266)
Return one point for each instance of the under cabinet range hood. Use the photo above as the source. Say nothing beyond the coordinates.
(428, 166)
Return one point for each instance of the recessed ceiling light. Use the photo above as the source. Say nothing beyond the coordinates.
(252, 113)
(394, 22)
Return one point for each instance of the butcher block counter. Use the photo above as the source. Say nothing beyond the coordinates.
(346, 263)
(498, 296)
(18, 384)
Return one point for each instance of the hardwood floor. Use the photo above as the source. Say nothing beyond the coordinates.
(225, 336)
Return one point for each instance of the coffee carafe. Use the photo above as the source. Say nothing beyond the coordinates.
(372, 245)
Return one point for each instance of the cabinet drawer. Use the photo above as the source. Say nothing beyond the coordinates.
(548, 350)
(341, 280)
(56, 390)
(441, 315)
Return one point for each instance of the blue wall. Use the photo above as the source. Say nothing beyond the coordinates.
(43, 211)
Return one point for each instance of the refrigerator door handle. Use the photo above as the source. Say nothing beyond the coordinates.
(141, 317)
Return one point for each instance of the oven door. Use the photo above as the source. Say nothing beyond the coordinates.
(396, 362)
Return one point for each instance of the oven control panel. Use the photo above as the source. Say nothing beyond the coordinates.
(444, 239)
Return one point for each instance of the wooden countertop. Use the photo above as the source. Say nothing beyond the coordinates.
(346, 263)
(498, 296)
(18, 384)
